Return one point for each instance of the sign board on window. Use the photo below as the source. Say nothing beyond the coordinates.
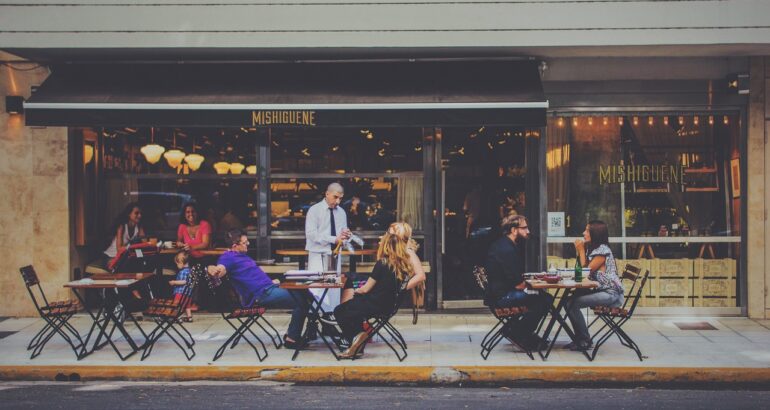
(556, 224)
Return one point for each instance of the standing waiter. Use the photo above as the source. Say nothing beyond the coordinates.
(326, 224)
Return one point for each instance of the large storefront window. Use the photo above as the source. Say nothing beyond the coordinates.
(162, 169)
(669, 188)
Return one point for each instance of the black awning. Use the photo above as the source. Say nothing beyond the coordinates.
(422, 93)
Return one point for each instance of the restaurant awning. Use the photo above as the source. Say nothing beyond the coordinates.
(419, 93)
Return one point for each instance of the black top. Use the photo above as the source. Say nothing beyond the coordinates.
(505, 266)
(385, 289)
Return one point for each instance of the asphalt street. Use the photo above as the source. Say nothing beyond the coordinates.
(270, 395)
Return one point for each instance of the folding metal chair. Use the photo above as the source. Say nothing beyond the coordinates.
(613, 319)
(166, 314)
(505, 318)
(56, 316)
(381, 323)
(241, 319)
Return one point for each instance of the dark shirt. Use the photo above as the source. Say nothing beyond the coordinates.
(383, 294)
(505, 266)
(247, 278)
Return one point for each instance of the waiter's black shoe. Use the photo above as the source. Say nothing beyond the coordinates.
(294, 344)
(312, 333)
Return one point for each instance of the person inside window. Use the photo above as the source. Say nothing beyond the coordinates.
(127, 228)
(193, 234)
(595, 254)
(255, 288)
(505, 289)
(378, 296)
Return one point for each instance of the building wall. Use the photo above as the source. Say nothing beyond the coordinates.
(84, 24)
(34, 210)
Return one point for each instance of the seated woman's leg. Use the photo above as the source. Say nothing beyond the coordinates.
(350, 317)
(583, 299)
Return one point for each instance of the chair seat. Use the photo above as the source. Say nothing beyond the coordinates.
(614, 311)
(62, 310)
(510, 311)
(246, 312)
(160, 302)
(162, 311)
(95, 270)
(60, 304)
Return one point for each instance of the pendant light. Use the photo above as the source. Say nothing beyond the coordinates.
(251, 170)
(174, 156)
(152, 151)
(236, 168)
(194, 160)
(222, 167)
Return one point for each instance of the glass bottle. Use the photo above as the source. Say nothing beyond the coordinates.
(578, 270)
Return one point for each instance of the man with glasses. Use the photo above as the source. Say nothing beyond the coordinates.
(505, 266)
(254, 286)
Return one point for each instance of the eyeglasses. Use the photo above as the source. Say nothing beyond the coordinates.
(523, 227)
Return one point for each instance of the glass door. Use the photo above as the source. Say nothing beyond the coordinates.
(483, 178)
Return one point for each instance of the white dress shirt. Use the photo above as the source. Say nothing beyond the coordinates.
(318, 227)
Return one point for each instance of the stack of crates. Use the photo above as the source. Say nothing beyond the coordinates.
(714, 283)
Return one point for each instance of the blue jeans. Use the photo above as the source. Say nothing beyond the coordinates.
(587, 298)
(275, 297)
(537, 307)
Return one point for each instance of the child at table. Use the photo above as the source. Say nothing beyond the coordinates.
(181, 260)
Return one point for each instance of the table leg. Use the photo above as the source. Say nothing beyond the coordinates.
(314, 312)
(302, 263)
(556, 316)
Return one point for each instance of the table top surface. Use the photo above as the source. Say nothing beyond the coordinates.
(541, 284)
(314, 285)
(302, 252)
(205, 252)
(120, 280)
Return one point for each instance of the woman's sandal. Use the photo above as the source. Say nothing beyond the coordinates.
(187, 319)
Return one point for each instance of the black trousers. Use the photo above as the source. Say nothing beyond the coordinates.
(351, 315)
(537, 305)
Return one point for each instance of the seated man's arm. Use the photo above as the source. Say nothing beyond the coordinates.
(217, 271)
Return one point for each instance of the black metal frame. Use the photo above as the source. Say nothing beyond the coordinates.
(241, 320)
(314, 313)
(382, 322)
(615, 318)
(166, 315)
(56, 316)
(504, 317)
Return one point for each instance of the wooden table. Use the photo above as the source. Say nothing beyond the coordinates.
(302, 254)
(556, 311)
(204, 252)
(314, 309)
(109, 285)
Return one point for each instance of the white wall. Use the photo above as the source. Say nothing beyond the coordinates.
(370, 23)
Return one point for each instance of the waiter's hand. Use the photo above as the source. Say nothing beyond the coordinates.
(521, 286)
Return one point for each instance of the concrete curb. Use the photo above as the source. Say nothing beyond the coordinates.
(387, 375)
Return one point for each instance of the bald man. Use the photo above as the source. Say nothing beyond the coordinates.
(326, 224)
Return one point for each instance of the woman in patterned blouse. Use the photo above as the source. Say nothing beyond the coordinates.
(595, 254)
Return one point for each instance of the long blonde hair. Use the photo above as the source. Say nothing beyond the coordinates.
(393, 249)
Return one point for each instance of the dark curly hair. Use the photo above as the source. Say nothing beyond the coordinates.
(195, 207)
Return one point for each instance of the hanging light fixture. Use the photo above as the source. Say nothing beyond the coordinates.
(236, 168)
(88, 153)
(152, 151)
(222, 167)
(194, 160)
(174, 156)
(251, 170)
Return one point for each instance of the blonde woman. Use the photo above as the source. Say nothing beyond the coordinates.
(378, 296)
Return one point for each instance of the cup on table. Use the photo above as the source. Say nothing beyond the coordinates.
(139, 276)
(153, 241)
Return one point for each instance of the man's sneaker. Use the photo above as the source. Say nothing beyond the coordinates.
(330, 330)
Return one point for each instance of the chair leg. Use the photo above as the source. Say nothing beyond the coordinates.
(274, 336)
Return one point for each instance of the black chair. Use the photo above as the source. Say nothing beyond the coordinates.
(55, 314)
(167, 313)
(505, 318)
(380, 323)
(613, 319)
(241, 320)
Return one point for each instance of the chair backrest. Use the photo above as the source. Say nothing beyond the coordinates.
(223, 289)
(631, 274)
(31, 280)
(196, 272)
(480, 274)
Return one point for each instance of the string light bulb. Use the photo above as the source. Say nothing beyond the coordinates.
(711, 120)
(605, 121)
(681, 120)
(590, 121)
(636, 121)
(620, 121)
(726, 120)
(560, 122)
(695, 120)
(650, 121)
(575, 122)
(665, 120)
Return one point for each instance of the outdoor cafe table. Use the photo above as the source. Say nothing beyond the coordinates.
(202, 252)
(314, 308)
(559, 311)
(302, 254)
(109, 284)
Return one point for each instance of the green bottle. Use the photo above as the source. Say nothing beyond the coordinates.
(578, 270)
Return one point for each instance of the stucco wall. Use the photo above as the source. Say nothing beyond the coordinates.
(34, 212)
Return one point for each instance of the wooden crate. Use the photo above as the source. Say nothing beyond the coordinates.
(714, 302)
(675, 302)
(557, 262)
(648, 301)
(671, 287)
(714, 287)
(671, 267)
(718, 268)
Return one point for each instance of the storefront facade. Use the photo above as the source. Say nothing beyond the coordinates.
(660, 147)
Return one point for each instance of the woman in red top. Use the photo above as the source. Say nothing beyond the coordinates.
(193, 234)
